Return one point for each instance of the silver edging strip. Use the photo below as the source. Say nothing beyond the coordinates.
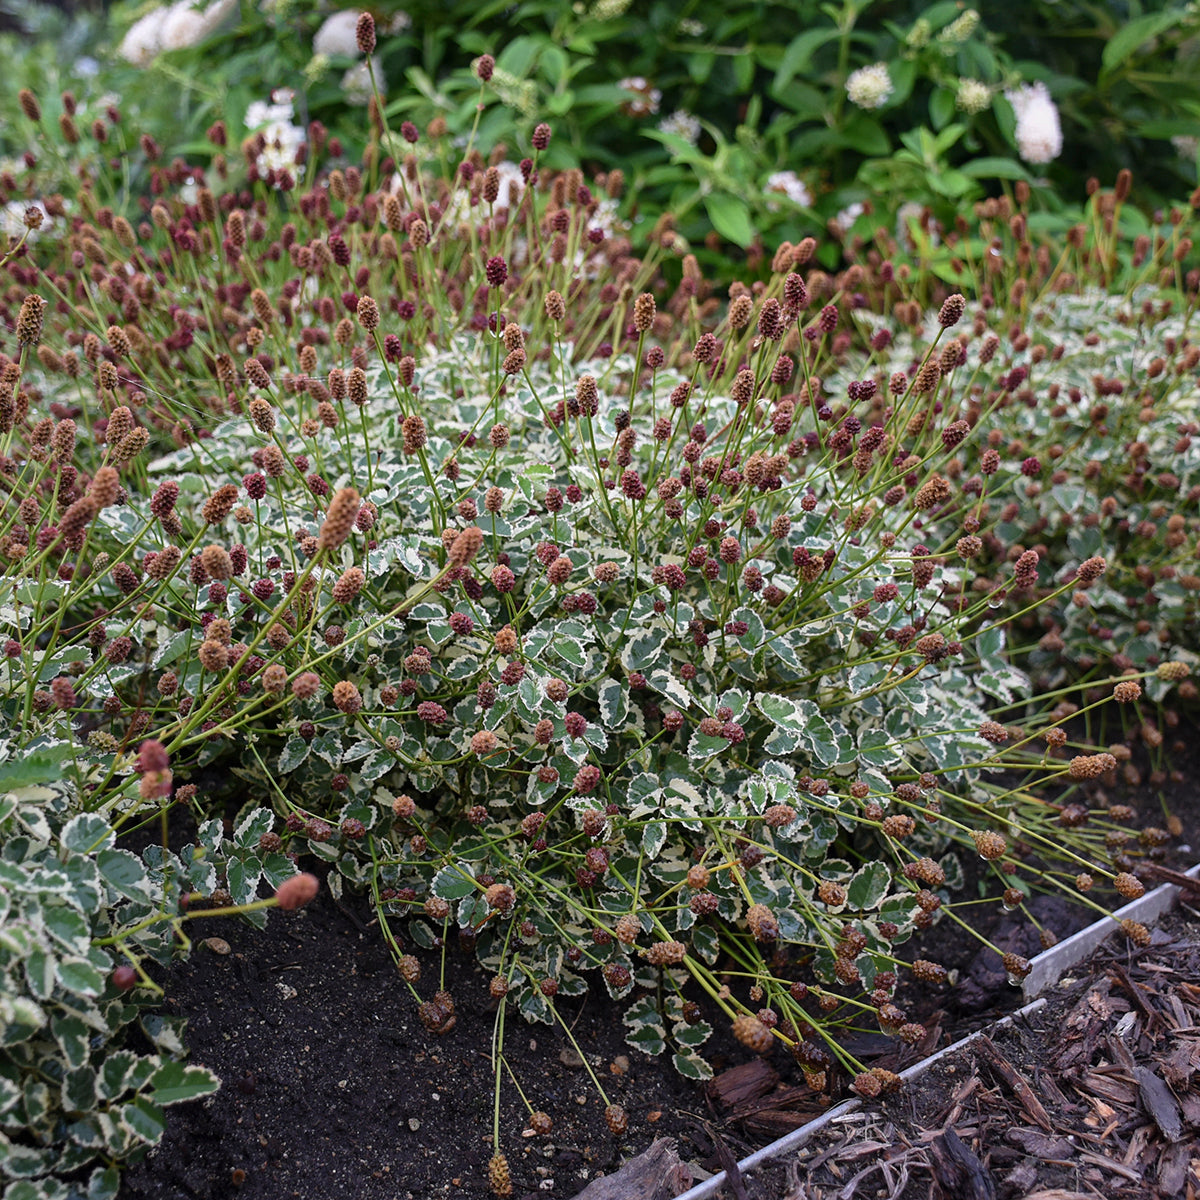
(1047, 969)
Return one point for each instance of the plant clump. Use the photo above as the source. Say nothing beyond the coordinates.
(619, 628)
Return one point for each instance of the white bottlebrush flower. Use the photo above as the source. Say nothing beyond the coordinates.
(283, 140)
(959, 31)
(869, 87)
(972, 96)
(173, 27)
(520, 94)
(1039, 132)
(336, 35)
(919, 34)
(1186, 145)
(260, 114)
(846, 218)
(608, 10)
(316, 69)
(356, 83)
(682, 124)
(789, 184)
(398, 24)
(183, 26)
(143, 40)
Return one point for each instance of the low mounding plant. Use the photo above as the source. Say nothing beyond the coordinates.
(675, 640)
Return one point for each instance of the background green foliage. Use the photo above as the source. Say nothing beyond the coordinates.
(765, 81)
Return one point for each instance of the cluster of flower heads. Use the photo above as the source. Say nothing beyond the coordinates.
(274, 123)
(790, 185)
(1039, 130)
(611, 572)
(173, 27)
(870, 87)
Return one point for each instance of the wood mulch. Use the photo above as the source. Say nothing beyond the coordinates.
(1094, 1094)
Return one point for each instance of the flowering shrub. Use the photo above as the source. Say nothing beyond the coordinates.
(628, 630)
(770, 123)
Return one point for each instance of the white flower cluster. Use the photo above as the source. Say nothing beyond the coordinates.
(172, 27)
(959, 31)
(789, 184)
(609, 10)
(972, 96)
(642, 99)
(1039, 132)
(274, 121)
(683, 125)
(356, 83)
(1186, 145)
(520, 94)
(846, 218)
(336, 35)
(869, 87)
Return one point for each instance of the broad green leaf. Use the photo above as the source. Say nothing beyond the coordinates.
(39, 766)
(453, 882)
(87, 833)
(145, 1118)
(1135, 34)
(941, 107)
(72, 1037)
(869, 886)
(692, 1066)
(123, 871)
(175, 1082)
(80, 976)
(654, 836)
(730, 217)
(989, 167)
(798, 54)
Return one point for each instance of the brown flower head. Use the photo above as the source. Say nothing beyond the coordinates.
(105, 487)
(364, 33)
(339, 518)
(297, 890)
(217, 562)
(368, 313)
(952, 311)
(220, 504)
(29, 322)
(349, 585)
(934, 491)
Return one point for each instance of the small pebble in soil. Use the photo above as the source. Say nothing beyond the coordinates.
(414, 1124)
(216, 945)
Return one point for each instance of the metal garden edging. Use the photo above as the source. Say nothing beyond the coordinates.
(1047, 969)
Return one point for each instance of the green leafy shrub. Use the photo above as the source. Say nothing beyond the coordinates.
(69, 1092)
(767, 123)
(571, 607)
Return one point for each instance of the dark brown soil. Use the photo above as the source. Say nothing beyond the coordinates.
(333, 1089)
